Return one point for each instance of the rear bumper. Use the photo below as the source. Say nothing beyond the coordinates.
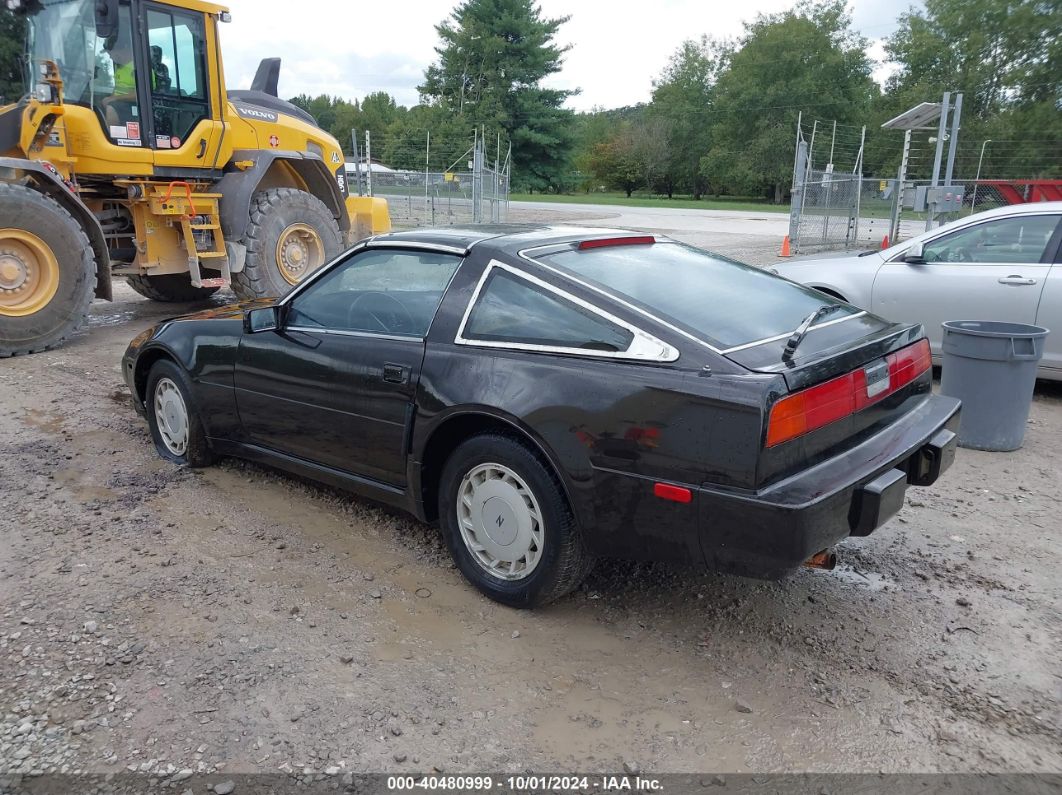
(770, 532)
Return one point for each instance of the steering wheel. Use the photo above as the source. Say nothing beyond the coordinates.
(401, 320)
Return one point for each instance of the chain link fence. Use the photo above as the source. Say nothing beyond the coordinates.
(827, 186)
(476, 194)
(890, 214)
(835, 206)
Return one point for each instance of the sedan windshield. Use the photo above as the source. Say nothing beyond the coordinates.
(714, 298)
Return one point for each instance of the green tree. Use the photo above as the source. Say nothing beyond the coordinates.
(591, 129)
(650, 144)
(1005, 56)
(616, 162)
(806, 58)
(379, 111)
(683, 98)
(12, 61)
(492, 57)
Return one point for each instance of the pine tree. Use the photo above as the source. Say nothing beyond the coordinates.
(493, 56)
(12, 62)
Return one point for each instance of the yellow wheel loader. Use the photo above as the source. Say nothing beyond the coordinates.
(127, 157)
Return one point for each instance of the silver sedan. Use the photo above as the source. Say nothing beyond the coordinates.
(1004, 264)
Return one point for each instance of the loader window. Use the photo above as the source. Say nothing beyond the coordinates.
(177, 64)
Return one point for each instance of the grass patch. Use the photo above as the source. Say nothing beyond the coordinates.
(644, 200)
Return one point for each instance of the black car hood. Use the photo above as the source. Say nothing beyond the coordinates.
(226, 312)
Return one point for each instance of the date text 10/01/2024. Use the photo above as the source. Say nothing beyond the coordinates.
(525, 783)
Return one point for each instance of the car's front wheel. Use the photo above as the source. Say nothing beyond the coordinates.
(508, 524)
(175, 425)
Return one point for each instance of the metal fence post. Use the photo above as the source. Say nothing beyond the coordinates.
(953, 142)
(858, 185)
(368, 163)
(477, 180)
(357, 163)
(901, 181)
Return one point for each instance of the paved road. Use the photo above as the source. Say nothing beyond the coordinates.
(749, 235)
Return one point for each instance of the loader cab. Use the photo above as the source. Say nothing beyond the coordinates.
(149, 71)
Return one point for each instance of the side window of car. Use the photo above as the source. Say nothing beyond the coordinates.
(1021, 239)
(377, 291)
(516, 311)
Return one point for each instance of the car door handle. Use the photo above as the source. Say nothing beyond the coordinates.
(1016, 279)
(395, 373)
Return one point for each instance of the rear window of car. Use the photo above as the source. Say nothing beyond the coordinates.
(719, 300)
(515, 311)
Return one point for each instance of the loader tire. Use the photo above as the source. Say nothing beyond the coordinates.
(170, 288)
(47, 272)
(291, 234)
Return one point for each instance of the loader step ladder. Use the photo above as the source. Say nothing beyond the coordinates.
(190, 219)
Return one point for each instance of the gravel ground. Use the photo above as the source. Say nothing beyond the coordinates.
(233, 620)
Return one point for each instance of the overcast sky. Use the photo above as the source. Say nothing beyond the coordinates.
(354, 47)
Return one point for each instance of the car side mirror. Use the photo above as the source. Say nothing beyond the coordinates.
(915, 254)
(263, 318)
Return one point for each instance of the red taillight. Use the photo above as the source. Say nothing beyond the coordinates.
(907, 364)
(839, 397)
(602, 242)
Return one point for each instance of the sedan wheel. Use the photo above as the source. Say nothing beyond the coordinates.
(500, 521)
(508, 523)
(172, 416)
(175, 425)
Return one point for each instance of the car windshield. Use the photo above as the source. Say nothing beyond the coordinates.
(721, 301)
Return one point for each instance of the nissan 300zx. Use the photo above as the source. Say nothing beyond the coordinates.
(551, 395)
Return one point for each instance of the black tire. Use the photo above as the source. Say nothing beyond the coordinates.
(272, 212)
(24, 209)
(170, 288)
(564, 561)
(197, 452)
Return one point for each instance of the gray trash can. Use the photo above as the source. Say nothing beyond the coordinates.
(991, 367)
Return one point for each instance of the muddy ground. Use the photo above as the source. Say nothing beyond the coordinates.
(234, 619)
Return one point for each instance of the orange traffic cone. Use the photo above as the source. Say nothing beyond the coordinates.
(785, 247)
(885, 242)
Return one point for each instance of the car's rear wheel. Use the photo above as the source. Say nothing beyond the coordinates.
(175, 425)
(508, 524)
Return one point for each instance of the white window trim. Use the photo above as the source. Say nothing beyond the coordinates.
(644, 347)
(789, 334)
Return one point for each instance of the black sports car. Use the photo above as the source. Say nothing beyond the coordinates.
(549, 395)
